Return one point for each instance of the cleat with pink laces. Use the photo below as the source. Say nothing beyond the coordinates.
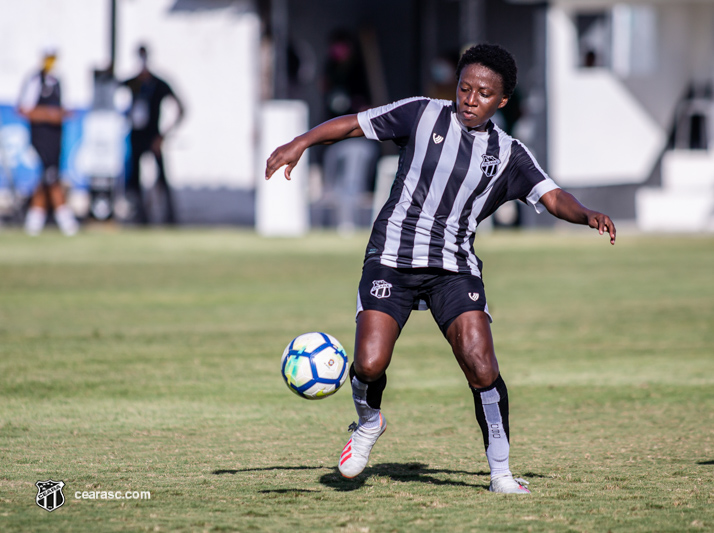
(506, 484)
(355, 454)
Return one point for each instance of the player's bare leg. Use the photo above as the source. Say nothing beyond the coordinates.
(53, 194)
(63, 214)
(375, 338)
(472, 344)
(37, 212)
(376, 335)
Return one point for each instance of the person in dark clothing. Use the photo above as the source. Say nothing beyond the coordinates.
(148, 92)
(345, 82)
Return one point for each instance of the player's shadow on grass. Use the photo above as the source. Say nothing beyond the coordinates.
(266, 469)
(705, 463)
(286, 491)
(404, 472)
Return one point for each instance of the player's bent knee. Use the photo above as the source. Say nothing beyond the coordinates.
(483, 376)
(369, 371)
(376, 335)
(471, 346)
(471, 342)
(481, 364)
(371, 360)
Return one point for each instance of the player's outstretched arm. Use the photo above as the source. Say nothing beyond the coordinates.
(565, 206)
(329, 132)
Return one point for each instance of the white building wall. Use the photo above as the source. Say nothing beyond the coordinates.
(660, 91)
(599, 133)
(207, 51)
(209, 55)
(78, 28)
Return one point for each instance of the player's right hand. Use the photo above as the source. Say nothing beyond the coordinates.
(286, 155)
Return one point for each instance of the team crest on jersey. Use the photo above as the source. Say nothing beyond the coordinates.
(49, 494)
(437, 138)
(489, 165)
(381, 289)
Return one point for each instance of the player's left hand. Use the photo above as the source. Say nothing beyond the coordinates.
(603, 224)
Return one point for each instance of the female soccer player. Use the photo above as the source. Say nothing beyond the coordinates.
(455, 169)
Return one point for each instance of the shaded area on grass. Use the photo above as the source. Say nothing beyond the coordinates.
(286, 491)
(401, 472)
(266, 469)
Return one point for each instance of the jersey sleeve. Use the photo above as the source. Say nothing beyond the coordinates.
(526, 180)
(392, 122)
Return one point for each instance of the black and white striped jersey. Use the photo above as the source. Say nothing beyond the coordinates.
(449, 179)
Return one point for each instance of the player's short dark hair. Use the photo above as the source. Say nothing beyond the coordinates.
(495, 57)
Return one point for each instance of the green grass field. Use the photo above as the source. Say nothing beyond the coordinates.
(149, 361)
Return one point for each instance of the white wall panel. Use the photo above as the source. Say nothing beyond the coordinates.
(78, 28)
(599, 134)
(207, 50)
(209, 55)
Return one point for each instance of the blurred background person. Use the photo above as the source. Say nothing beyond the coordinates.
(348, 166)
(442, 76)
(41, 104)
(346, 89)
(148, 92)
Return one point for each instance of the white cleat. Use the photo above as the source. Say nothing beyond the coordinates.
(355, 454)
(35, 221)
(66, 221)
(505, 484)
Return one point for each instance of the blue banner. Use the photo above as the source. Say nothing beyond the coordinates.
(20, 167)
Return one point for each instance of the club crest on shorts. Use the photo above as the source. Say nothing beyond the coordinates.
(489, 165)
(381, 289)
(474, 296)
(49, 494)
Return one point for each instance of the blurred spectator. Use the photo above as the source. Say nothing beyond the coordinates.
(41, 103)
(442, 71)
(590, 59)
(346, 88)
(507, 117)
(148, 91)
(348, 167)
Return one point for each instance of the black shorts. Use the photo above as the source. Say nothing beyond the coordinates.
(47, 142)
(398, 291)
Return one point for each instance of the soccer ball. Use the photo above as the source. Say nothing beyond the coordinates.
(314, 365)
